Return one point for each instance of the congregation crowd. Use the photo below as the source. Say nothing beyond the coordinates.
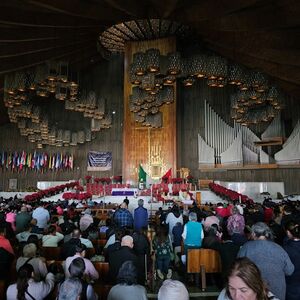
(259, 248)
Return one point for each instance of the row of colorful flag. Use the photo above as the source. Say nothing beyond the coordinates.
(40, 161)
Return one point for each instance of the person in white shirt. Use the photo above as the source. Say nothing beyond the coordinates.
(27, 288)
(22, 237)
(52, 238)
(173, 218)
(42, 216)
(76, 234)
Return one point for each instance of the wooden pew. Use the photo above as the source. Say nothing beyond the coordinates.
(203, 261)
(51, 253)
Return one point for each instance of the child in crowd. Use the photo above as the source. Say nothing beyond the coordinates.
(163, 253)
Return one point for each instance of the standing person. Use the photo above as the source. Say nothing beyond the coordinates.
(126, 201)
(236, 222)
(125, 253)
(127, 286)
(140, 216)
(292, 247)
(245, 283)
(192, 233)
(163, 253)
(42, 216)
(173, 217)
(177, 240)
(271, 259)
(123, 217)
(28, 289)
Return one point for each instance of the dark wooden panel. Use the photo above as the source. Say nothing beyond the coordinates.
(107, 80)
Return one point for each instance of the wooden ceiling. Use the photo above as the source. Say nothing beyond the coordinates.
(262, 34)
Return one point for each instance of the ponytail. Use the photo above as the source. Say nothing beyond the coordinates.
(24, 274)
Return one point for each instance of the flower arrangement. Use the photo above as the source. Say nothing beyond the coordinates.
(97, 180)
(76, 196)
(50, 191)
(87, 178)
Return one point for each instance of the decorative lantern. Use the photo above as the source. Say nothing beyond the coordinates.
(152, 59)
(174, 63)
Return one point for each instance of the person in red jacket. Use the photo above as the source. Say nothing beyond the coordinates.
(4, 242)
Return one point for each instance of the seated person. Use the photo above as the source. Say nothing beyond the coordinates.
(172, 289)
(27, 288)
(52, 238)
(89, 271)
(29, 257)
(76, 270)
(22, 237)
(127, 286)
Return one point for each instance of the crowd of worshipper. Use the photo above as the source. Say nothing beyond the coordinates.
(258, 244)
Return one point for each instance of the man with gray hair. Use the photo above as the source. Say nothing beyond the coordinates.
(271, 259)
(192, 233)
(140, 216)
(70, 289)
(173, 289)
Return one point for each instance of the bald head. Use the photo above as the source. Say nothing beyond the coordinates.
(76, 234)
(127, 240)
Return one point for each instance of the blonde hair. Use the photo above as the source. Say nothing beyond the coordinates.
(29, 250)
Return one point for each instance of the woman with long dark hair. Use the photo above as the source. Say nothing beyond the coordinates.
(27, 289)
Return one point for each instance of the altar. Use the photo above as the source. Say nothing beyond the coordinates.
(124, 191)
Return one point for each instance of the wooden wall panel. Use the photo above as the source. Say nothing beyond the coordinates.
(138, 141)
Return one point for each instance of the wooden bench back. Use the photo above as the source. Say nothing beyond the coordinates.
(208, 258)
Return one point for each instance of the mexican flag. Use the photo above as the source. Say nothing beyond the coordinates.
(145, 178)
(142, 175)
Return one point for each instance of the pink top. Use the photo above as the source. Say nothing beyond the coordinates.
(11, 218)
